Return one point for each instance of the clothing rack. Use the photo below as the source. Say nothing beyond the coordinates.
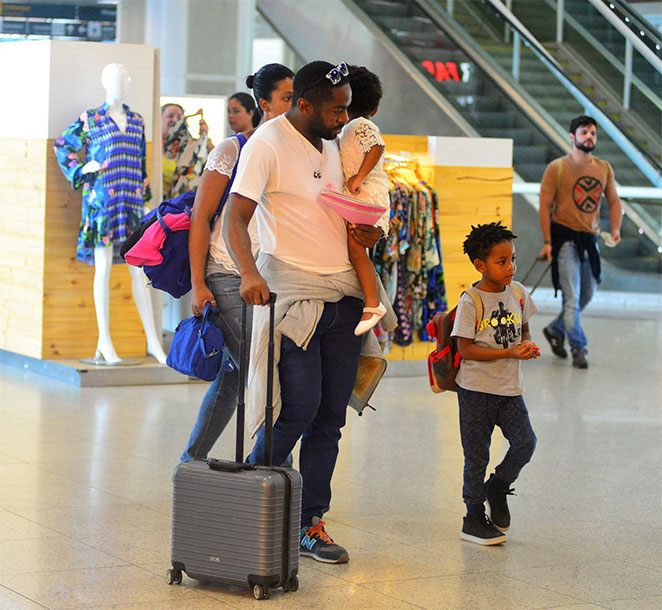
(409, 261)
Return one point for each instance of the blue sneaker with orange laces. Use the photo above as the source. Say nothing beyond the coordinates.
(316, 543)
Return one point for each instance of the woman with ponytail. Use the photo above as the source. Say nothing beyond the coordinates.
(214, 276)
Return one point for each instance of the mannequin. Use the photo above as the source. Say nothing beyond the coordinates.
(113, 196)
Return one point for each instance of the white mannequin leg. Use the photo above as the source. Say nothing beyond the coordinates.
(144, 305)
(103, 261)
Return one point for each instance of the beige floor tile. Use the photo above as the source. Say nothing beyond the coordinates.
(92, 471)
(20, 473)
(392, 562)
(138, 490)
(13, 601)
(51, 554)
(593, 581)
(18, 527)
(638, 603)
(197, 603)
(472, 591)
(36, 452)
(140, 547)
(54, 494)
(78, 522)
(74, 589)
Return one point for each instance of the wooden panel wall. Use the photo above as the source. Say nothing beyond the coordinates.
(467, 195)
(46, 295)
(22, 198)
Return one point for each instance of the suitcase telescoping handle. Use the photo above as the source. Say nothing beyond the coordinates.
(538, 259)
(241, 405)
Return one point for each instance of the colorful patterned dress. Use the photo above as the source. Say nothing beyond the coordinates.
(113, 197)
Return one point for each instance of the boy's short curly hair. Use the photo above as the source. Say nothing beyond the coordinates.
(366, 91)
(483, 238)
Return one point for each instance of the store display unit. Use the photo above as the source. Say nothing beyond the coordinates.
(473, 181)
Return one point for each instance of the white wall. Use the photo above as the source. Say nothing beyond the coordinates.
(75, 80)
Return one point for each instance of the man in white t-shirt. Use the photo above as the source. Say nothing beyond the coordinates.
(281, 171)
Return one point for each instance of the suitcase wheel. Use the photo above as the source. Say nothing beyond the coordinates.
(292, 584)
(173, 577)
(261, 591)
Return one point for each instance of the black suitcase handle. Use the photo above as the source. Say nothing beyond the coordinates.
(227, 466)
(538, 259)
(241, 405)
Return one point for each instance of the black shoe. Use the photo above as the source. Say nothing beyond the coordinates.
(579, 358)
(497, 503)
(556, 343)
(316, 543)
(479, 529)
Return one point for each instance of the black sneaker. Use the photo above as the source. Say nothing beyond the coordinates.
(497, 503)
(316, 543)
(579, 358)
(479, 529)
(556, 343)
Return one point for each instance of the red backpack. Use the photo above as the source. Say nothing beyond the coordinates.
(444, 361)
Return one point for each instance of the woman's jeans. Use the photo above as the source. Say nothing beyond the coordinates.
(577, 288)
(220, 401)
(316, 385)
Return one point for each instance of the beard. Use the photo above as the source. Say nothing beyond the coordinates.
(584, 148)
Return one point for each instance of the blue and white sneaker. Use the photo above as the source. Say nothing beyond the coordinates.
(316, 543)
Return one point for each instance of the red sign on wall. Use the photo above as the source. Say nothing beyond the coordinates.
(450, 70)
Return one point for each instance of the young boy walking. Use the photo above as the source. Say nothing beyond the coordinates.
(492, 333)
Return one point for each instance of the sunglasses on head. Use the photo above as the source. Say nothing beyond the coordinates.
(334, 76)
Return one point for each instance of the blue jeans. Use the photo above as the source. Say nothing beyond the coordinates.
(316, 385)
(577, 288)
(479, 413)
(220, 401)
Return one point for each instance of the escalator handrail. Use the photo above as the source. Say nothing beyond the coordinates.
(647, 164)
(628, 34)
(639, 21)
(538, 115)
(608, 55)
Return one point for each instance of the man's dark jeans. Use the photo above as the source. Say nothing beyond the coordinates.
(316, 385)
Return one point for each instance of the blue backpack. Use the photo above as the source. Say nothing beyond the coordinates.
(173, 274)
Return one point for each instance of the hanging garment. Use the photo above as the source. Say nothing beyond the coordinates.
(184, 160)
(409, 261)
(113, 197)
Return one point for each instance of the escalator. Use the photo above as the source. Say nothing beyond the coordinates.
(457, 78)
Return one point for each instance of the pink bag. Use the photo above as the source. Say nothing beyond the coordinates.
(352, 209)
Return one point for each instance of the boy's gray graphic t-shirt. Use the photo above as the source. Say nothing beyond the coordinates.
(500, 328)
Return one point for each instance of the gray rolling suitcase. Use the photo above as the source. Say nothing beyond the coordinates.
(236, 523)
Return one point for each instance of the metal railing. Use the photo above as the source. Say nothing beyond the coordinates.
(631, 41)
(641, 158)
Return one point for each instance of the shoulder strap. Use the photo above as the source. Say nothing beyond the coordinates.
(242, 140)
(558, 175)
(478, 304)
(518, 295)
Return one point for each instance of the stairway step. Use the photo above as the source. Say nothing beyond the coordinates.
(519, 136)
(492, 119)
(530, 154)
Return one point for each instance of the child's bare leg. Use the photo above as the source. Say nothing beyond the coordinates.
(364, 268)
(373, 310)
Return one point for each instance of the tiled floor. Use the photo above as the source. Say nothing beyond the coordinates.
(85, 495)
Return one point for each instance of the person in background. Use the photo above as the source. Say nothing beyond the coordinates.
(571, 191)
(183, 156)
(242, 112)
(214, 276)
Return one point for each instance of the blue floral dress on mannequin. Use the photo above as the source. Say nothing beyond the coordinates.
(113, 197)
